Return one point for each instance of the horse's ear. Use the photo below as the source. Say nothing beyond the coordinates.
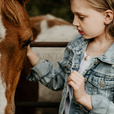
(13, 13)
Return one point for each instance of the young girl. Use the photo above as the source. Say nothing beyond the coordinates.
(86, 73)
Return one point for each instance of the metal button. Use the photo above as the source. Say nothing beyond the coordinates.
(85, 79)
(113, 65)
(76, 103)
(102, 83)
(97, 61)
(43, 60)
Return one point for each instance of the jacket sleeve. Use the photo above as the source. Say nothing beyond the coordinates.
(101, 105)
(49, 76)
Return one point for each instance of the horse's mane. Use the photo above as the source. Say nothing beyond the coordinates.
(11, 9)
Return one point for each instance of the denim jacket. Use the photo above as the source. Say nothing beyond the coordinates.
(99, 77)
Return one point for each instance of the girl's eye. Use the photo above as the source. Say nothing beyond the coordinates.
(81, 17)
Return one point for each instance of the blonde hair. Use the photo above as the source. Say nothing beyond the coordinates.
(101, 6)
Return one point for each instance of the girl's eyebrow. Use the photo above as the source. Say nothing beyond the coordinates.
(78, 13)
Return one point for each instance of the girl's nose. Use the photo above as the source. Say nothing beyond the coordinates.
(75, 22)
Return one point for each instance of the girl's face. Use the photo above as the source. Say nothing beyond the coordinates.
(89, 22)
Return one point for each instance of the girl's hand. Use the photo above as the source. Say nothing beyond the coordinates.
(33, 58)
(77, 82)
(28, 49)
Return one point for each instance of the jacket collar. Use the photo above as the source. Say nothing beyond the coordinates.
(108, 56)
(79, 42)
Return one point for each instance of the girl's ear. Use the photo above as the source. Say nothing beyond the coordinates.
(109, 15)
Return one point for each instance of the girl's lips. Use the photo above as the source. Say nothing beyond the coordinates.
(81, 32)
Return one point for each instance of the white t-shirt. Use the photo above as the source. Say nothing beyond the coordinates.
(83, 66)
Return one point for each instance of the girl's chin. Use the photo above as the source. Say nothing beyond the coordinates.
(86, 37)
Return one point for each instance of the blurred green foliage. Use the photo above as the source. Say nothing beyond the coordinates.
(58, 8)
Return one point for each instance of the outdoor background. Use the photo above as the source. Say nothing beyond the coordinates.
(58, 8)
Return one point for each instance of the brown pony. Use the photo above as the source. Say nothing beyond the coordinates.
(15, 35)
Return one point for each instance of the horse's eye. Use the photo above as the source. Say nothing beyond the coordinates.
(27, 42)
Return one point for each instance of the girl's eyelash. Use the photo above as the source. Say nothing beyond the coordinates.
(81, 17)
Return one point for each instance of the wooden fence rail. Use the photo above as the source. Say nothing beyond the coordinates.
(48, 44)
(36, 104)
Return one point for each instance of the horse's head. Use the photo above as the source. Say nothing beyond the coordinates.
(15, 35)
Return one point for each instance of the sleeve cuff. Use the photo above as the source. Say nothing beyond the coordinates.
(41, 69)
(100, 104)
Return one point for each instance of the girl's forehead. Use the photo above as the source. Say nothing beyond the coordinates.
(80, 5)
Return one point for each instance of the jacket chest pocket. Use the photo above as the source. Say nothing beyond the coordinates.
(102, 84)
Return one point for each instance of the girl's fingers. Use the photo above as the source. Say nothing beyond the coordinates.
(73, 85)
(76, 78)
(78, 74)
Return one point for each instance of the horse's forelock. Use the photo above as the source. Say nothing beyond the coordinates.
(11, 9)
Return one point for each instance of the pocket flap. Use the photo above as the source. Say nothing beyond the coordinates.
(101, 81)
